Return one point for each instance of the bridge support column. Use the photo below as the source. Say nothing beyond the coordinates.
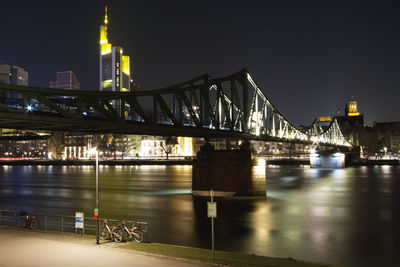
(227, 171)
(334, 159)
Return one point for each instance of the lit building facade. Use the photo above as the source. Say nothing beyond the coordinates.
(185, 146)
(110, 146)
(16, 144)
(116, 146)
(16, 149)
(151, 146)
(155, 146)
(66, 80)
(77, 147)
(13, 75)
(114, 65)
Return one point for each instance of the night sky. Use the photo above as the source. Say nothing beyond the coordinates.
(309, 57)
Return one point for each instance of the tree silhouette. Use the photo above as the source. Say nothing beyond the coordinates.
(168, 144)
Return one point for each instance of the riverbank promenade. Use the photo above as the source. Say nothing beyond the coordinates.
(22, 247)
(25, 247)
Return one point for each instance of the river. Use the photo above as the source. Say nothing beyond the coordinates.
(347, 217)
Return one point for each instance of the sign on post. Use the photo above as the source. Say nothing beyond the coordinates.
(211, 209)
(79, 219)
(96, 213)
(212, 213)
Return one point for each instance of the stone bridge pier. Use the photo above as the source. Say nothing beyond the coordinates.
(227, 171)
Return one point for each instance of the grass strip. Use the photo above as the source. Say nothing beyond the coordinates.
(221, 257)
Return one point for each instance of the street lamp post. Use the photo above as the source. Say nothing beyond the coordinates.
(97, 199)
(96, 210)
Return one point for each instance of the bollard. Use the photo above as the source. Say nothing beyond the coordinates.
(62, 224)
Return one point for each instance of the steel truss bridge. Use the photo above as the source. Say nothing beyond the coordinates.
(228, 107)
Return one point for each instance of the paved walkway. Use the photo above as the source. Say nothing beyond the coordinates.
(33, 248)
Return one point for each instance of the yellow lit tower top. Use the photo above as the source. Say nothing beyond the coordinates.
(353, 109)
(105, 17)
(105, 47)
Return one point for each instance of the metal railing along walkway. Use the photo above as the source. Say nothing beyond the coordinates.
(65, 223)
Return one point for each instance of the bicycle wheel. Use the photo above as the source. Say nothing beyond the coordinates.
(117, 234)
(105, 235)
(138, 236)
(35, 224)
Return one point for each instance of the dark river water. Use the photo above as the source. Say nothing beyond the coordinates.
(346, 217)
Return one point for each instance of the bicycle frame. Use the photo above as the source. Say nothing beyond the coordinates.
(124, 228)
(111, 231)
(133, 233)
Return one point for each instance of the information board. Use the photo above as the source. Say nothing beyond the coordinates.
(79, 219)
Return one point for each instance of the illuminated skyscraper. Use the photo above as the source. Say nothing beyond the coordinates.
(114, 65)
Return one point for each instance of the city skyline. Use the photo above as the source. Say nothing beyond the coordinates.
(261, 132)
(298, 53)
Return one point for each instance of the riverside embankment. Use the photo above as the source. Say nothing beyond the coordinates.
(57, 162)
(24, 247)
(112, 162)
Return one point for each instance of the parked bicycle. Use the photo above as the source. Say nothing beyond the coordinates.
(113, 234)
(29, 220)
(134, 233)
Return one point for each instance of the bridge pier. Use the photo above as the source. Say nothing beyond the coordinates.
(334, 159)
(227, 171)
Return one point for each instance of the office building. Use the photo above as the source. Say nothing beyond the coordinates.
(13, 75)
(114, 65)
(389, 136)
(66, 80)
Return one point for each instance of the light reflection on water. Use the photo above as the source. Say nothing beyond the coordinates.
(346, 216)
